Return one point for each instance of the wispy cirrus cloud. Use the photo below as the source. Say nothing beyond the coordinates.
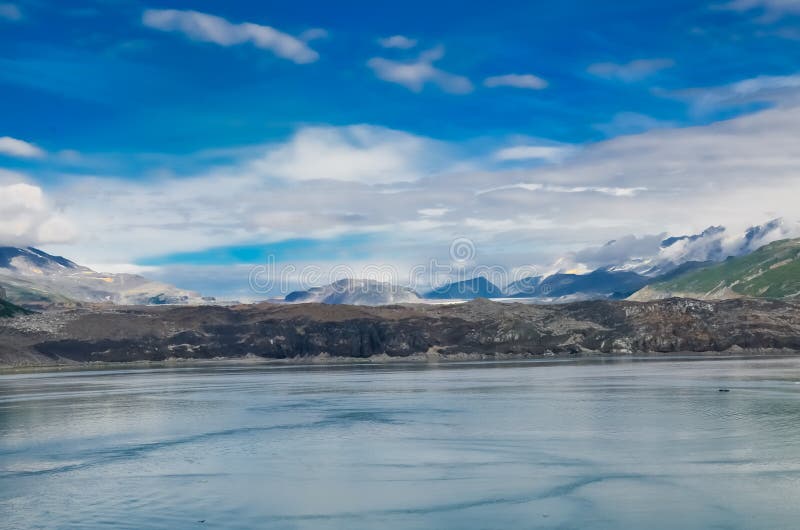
(528, 81)
(10, 12)
(782, 89)
(547, 153)
(19, 148)
(398, 41)
(631, 123)
(414, 75)
(771, 9)
(630, 72)
(314, 34)
(210, 28)
(549, 188)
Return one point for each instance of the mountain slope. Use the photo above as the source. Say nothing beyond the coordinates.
(35, 279)
(772, 271)
(525, 287)
(477, 287)
(596, 284)
(7, 309)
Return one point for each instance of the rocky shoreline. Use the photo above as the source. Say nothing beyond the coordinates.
(479, 330)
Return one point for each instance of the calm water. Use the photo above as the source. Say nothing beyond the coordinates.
(524, 445)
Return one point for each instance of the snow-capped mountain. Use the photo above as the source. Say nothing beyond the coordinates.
(623, 266)
(654, 256)
(33, 278)
(353, 291)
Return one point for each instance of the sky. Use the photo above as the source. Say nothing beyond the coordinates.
(191, 141)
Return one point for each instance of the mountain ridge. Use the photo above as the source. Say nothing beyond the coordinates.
(350, 291)
(35, 279)
(771, 271)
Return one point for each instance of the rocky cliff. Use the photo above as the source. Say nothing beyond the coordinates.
(479, 328)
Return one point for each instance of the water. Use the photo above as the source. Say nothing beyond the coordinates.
(517, 445)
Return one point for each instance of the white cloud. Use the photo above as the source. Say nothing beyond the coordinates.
(19, 148)
(630, 72)
(631, 123)
(122, 268)
(736, 173)
(776, 89)
(433, 212)
(548, 153)
(528, 81)
(10, 12)
(615, 192)
(535, 186)
(510, 224)
(314, 34)
(658, 253)
(356, 153)
(398, 41)
(415, 75)
(28, 217)
(773, 9)
(210, 28)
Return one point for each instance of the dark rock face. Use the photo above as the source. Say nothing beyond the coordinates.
(479, 327)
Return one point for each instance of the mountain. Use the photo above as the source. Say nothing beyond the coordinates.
(656, 255)
(772, 271)
(600, 283)
(624, 266)
(33, 278)
(477, 287)
(355, 292)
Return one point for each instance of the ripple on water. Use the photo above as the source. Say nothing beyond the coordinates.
(565, 446)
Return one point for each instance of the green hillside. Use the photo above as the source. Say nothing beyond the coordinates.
(7, 309)
(773, 271)
(29, 295)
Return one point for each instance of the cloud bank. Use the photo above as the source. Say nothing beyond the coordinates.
(410, 195)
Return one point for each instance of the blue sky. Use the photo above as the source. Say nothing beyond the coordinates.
(166, 135)
(93, 72)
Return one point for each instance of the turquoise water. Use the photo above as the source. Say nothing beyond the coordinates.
(511, 445)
